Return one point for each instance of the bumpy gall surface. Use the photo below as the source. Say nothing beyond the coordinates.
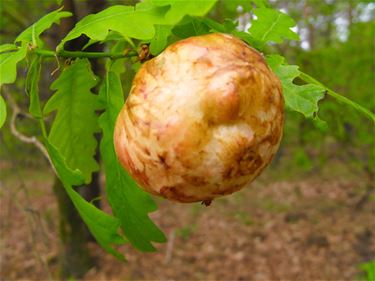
(202, 119)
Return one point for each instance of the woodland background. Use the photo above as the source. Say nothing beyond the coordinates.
(311, 215)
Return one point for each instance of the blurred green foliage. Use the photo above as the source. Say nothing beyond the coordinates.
(368, 270)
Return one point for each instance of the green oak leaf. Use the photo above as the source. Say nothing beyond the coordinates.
(229, 25)
(102, 226)
(272, 26)
(260, 3)
(307, 78)
(32, 33)
(178, 9)
(248, 39)
(369, 267)
(112, 36)
(7, 47)
(246, 5)
(160, 40)
(191, 26)
(129, 203)
(233, 5)
(3, 111)
(75, 123)
(320, 124)
(304, 98)
(8, 65)
(139, 22)
(135, 22)
(213, 25)
(195, 26)
(32, 87)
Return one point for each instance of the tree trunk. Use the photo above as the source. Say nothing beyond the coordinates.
(308, 13)
(74, 255)
(350, 14)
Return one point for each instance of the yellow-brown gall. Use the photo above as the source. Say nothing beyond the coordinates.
(202, 119)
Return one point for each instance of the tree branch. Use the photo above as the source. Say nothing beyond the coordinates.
(169, 251)
(80, 54)
(26, 139)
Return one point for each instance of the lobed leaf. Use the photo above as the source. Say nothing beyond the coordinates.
(7, 47)
(3, 111)
(129, 203)
(180, 8)
(159, 42)
(272, 26)
(75, 123)
(135, 22)
(304, 98)
(102, 226)
(260, 3)
(8, 65)
(195, 26)
(307, 78)
(191, 26)
(248, 39)
(149, 20)
(32, 87)
(32, 33)
(233, 5)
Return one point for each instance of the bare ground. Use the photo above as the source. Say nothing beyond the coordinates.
(304, 229)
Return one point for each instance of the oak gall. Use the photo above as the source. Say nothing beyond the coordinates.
(202, 119)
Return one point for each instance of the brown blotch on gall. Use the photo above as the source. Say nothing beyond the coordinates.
(173, 192)
(162, 160)
(194, 180)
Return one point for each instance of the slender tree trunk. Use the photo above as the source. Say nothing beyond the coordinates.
(350, 13)
(307, 12)
(93, 189)
(328, 32)
(311, 29)
(74, 255)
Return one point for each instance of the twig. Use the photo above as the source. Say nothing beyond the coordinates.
(80, 54)
(168, 254)
(58, 66)
(26, 139)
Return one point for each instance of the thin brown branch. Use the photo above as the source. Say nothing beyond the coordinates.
(26, 139)
(170, 245)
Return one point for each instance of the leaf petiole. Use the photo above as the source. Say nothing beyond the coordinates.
(307, 78)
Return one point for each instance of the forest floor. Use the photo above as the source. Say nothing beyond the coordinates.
(290, 229)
